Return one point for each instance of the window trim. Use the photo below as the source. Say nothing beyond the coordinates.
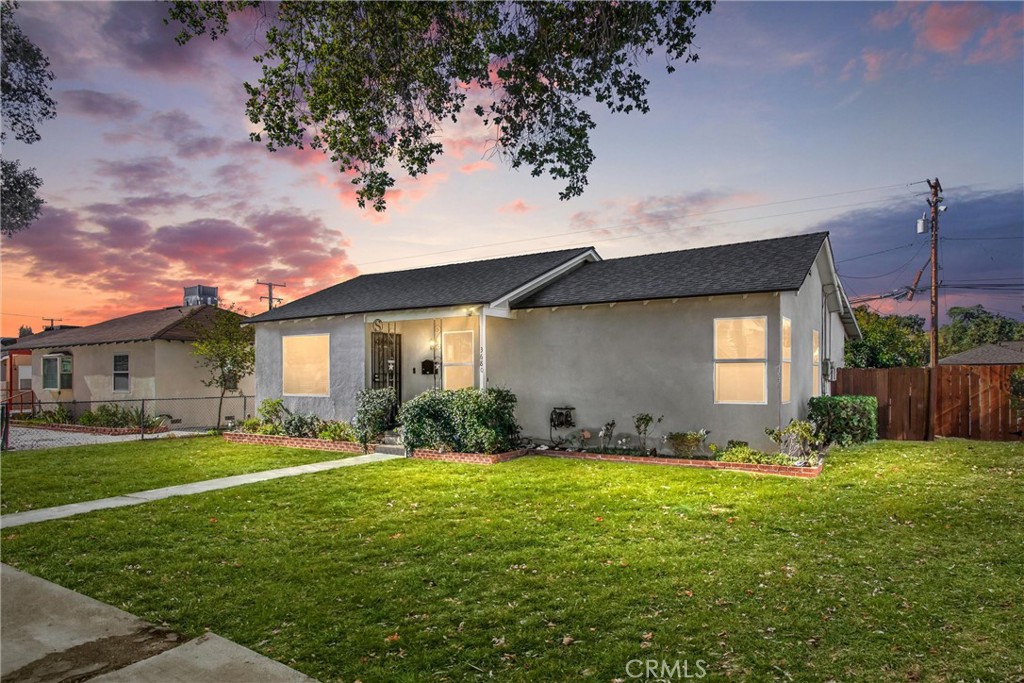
(763, 360)
(308, 334)
(785, 364)
(446, 364)
(816, 389)
(58, 358)
(126, 373)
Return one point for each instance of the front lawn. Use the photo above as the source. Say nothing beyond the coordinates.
(902, 562)
(36, 479)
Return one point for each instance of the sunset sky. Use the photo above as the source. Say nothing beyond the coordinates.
(798, 117)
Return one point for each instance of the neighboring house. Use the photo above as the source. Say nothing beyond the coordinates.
(1000, 353)
(145, 355)
(732, 338)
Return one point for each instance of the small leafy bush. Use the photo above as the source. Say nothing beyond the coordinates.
(642, 423)
(59, 415)
(1017, 389)
(269, 429)
(798, 440)
(374, 410)
(272, 411)
(302, 426)
(338, 431)
(748, 455)
(686, 444)
(845, 420)
(251, 425)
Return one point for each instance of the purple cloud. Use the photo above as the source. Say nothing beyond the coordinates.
(99, 105)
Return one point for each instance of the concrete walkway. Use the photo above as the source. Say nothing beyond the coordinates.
(54, 635)
(61, 511)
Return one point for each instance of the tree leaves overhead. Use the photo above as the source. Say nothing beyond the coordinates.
(972, 326)
(372, 83)
(25, 79)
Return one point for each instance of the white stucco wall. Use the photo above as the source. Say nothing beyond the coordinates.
(92, 372)
(347, 364)
(611, 363)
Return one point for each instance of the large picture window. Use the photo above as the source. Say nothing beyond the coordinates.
(787, 360)
(741, 360)
(122, 380)
(815, 363)
(457, 359)
(305, 365)
(57, 372)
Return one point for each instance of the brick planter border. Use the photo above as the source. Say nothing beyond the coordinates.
(469, 458)
(784, 470)
(295, 442)
(85, 429)
(482, 459)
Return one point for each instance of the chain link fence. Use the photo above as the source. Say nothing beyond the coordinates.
(81, 423)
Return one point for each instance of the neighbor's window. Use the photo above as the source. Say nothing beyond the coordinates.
(787, 359)
(741, 360)
(305, 365)
(457, 359)
(56, 372)
(121, 380)
(815, 363)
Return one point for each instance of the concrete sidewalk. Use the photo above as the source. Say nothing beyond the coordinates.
(61, 511)
(49, 634)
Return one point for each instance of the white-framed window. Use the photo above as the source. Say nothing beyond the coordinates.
(122, 380)
(57, 372)
(457, 368)
(787, 360)
(306, 365)
(741, 360)
(815, 363)
(25, 377)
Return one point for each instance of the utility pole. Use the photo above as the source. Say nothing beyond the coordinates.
(933, 360)
(270, 298)
(52, 321)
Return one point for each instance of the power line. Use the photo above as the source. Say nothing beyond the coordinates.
(871, 277)
(976, 239)
(875, 253)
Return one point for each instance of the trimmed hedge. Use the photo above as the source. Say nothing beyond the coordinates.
(845, 420)
(463, 421)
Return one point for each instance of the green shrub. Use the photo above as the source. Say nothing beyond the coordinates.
(88, 419)
(251, 425)
(798, 440)
(374, 411)
(272, 411)
(845, 420)
(1017, 389)
(59, 415)
(269, 429)
(338, 431)
(748, 455)
(302, 426)
(686, 444)
(427, 421)
(467, 420)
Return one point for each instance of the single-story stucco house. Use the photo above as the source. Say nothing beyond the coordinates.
(146, 355)
(731, 338)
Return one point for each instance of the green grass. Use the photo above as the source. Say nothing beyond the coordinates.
(902, 562)
(57, 476)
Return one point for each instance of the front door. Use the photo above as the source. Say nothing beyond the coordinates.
(386, 361)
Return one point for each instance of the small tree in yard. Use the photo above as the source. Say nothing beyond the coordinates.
(226, 349)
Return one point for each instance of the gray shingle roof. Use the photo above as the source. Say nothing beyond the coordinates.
(1003, 353)
(475, 282)
(164, 323)
(763, 266)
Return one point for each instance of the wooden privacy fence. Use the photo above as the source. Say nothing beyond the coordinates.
(974, 400)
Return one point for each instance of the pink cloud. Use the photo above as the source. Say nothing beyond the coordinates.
(946, 28)
(1000, 43)
(517, 206)
(475, 166)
